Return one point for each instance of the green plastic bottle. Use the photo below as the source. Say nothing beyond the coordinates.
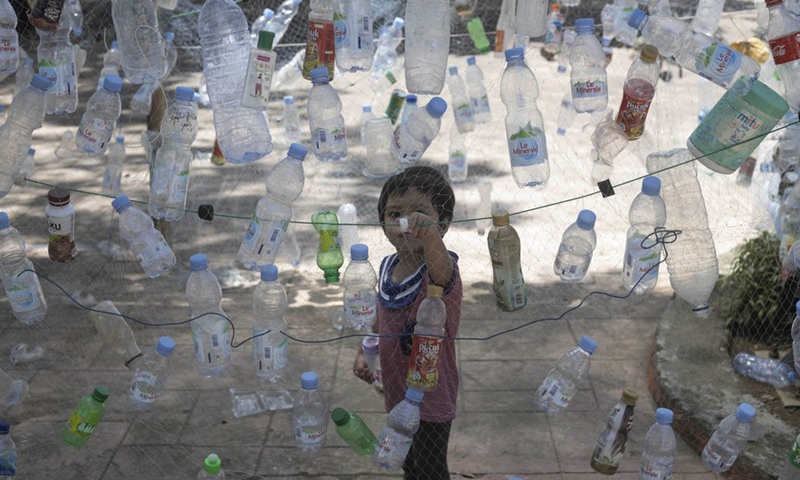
(478, 34)
(329, 255)
(84, 419)
(212, 469)
(354, 431)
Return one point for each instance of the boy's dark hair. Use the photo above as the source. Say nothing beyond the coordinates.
(425, 180)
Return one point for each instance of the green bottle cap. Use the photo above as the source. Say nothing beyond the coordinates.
(212, 465)
(265, 39)
(100, 393)
(340, 416)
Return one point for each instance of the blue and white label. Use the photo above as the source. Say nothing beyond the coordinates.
(340, 31)
(23, 293)
(480, 105)
(264, 239)
(641, 262)
(527, 147)
(270, 358)
(718, 63)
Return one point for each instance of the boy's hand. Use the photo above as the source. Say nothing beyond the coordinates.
(360, 368)
(423, 227)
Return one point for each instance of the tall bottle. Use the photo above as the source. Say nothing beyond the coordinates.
(504, 250)
(57, 64)
(415, 136)
(395, 439)
(9, 39)
(576, 248)
(274, 210)
(172, 52)
(354, 431)
(84, 419)
(320, 47)
(260, 68)
(568, 37)
(613, 439)
(151, 373)
(637, 93)
(423, 363)
(279, 23)
(658, 450)
(212, 469)
(8, 452)
(259, 25)
(98, 122)
(766, 370)
(588, 75)
(791, 470)
(310, 414)
(212, 345)
(353, 35)
(366, 115)
(478, 97)
(527, 145)
(170, 175)
(385, 61)
(561, 385)
(328, 133)
(531, 19)
(291, 120)
(115, 161)
(707, 15)
(270, 344)
(728, 439)
(427, 45)
(642, 254)
(360, 294)
(144, 53)
(112, 63)
(783, 28)
(242, 133)
(457, 166)
(115, 333)
(504, 32)
(23, 290)
(147, 244)
(329, 254)
(462, 106)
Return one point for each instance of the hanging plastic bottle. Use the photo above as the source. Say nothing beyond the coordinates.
(412, 139)
(60, 214)
(144, 53)
(259, 25)
(112, 63)
(478, 35)
(57, 64)
(642, 254)
(575, 251)
(115, 161)
(24, 74)
(84, 419)
(291, 120)
(728, 439)
(352, 21)
(478, 98)
(310, 414)
(608, 17)
(27, 169)
(270, 344)
(638, 92)
(658, 455)
(284, 15)
(504, 32)
(366, 115)
(260, 68)
(427, 45)
(151, 373)
(172, 53)
(8, 452)
(706, 17)
(462, 106)
(348, 226)
(385, 61)
(329, 255)
(102, 112)
(457, 166)
(354, 431)
(147, 244)
(329, 136)
(561, 385)
(22, 287)
(396, 102)
(531, 19)
(115, 333)
(371, 348)
(555, 27)
(378, 140)
(212, 345)
(613, 439)
(504, 250)
(395, 439)
(423, 363)
(588, 75)
(360, 294)
(568, 37)
(320, 48)
(566, 114)
(9, 39)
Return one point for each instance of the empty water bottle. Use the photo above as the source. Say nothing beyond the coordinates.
(588, 76)
(566, 114)
(284, 14)
(259, 25)
(360, 294)
(9, 39)
(151, 373)
(658, 450)
(379, 142)
(212, 469)
(427, 45)
(354, 431)
(366, 115)
(172, 52)
(112, 63)
(531, 18)
(24, 73)
(385, 62)
(567, 40)
(457, 160)
(115, 161)
(147, 244)
(462, 106)
(310, 414)
(328, 133)
(728, 439)
(561, 385)
(270, 345)
(766, 370)
(144, 54)
(353, 35)
(102, 112)
(73, 9)
(291, 120)
(707, 15)
(478, 97)
(608, 16)
(212, 345)
(576, 248)
(57, 64)
(22, 287)
(395, 439)
(348, 226)
(114, 332)
(412, 139)
(555, 28)
(8, 452)
(642, 254)
(320, 48)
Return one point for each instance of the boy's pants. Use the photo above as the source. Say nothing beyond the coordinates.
(427, 459)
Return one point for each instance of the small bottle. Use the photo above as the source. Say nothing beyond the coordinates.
(478, 97)
(348, 226)
(395, 106)
(26, 170)
(478, 34)
(260, 69)
(457, 162)
(321, 47)
(309, 412)
(360, 294)
(462, 107)
(8, 452)
(791, 470)
(9, 39)
(84, 419)
(745, 176)
(212, 469)
(409, 107)
(325, 120)
(260, 24)
(638, 92)
(112, 175)
(423, 363)
(561, 385)
(568, 37)
(555, 26)
(395, 439)
(658, 449)
(642, 254)
(212, 345)
(504, 250)
(270, 345)
(146, 242)
(354, 431)
(576, 248)
(412, 139)
(61, 226)
(102, 112)
(24, 292)
(588, 76)
(427, 44)
(115, 333)
(291, 120)
(329, 255)
(366, 115)
(566, 114)
(531, 18)
(612, 441)
(151, 373)
(371, 348)
(766, 370)
(728, 439)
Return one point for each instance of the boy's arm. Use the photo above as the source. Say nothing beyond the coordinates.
(437, 258)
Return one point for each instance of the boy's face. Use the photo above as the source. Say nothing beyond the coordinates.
(402, 206)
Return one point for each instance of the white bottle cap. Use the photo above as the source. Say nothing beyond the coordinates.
(403, 224)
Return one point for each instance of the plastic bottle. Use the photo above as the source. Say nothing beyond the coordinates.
(284, 14)
(566, 114)
(789, 148)
(555, 26)
(796, 339)
(98, 122)
(151, 373)
(608, 17)
(379, 142)
(16, 135)
(568, 37)
(478, 97)
(396, 102)
(527, 145)
(115, 333)
(310, 414)
(27, 169)
(321, 47)
(57, 64)
(112, 63)
(242, 133)
(354, 431)
(706, 17)
(360, 293)
(328, 133)
(623, 32)
(291, 120)
(270, 345)
(84, 419)
(531, 19)
(575, 251)
(423, 363)
(457, 166)
(385, 61)
(613, 439)
(395, 439)
(561, 385)
(9, 39)
(366, 115)
(728, 439)
(371, 348)
(24, 74)
(791, 469)
(504, 250)
(789, 221)
(588, 75)
(260, 68)
(212, 469)
(274, 210)
(259, 25)
(75, 12)
(142, 100)
(8, 451)
(170, 174)
(329, 255)
(462, 105)
(427, 45)
(60, 214)
(167, 4)
(115, 161)
(638, 92)
(504, 32)
(658, 453)
(147, 244)
(212, 345)
(478, 34)
(647, 214)
(353, 35)
(412, 139)
(144, 53)
(172, 52)
(766, 370)
(348, 226)
(23, 290)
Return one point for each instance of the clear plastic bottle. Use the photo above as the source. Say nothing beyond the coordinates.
(348, 226)
(706, 17)
(366, 115)
(637, 93)
(75, 11)
(613, 439)
(23, 290)
(504, 250)
(504, 32)
(527, 145)
(57, 64)
(80, 53)
(385, 62)
(728, 439)
(212, 469)
(320, 47)
(658, 449)
(353, 35)
(588, 75)
(478, 97)
(625, 33)
(84, 419)
(371, 348)
(144, 53)
(608, 17)
(576, 248)
(789, 221)
(360, 293)
(170, 175)
(791, 469)
(151, 373)
(167, 4)
(98, 122)
(274, 210)
(395, 439)
(766, 370)
(354, 431)
(427, 45)
(531, 19)
(259, 25)
(555, 28)
(561, 385)
(328, 133)
(115, 161)
(172, 53)
(423, 363)
(462, 106)
(647, 213)
(796, 338)
(409, 107)
(566, 114)
(279, 23)
(212, 344)
(9, 39)
(112, 63)
(242, 133)
(310, 414)
(115, 333)
(412, 139)
(783, 28)
(147, 244)
(668, 34)
(270, 350)
(260, 68)
(291, 120)
(24, 74)
(8, 451)
(378, 140)
(457, 166)
(27, 169)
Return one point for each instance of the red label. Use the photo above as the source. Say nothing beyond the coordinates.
(632, 115)
(499, 41)
(319, 48)
(772, 3)
(423, 365)
(786, 48)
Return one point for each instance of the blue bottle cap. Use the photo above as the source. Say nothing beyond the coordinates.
(586, 219)
(366, 107)
(288, 100)
(793, 377)
(414, 395)
(309, 380)
(198, 262)
(41, 83)
(184, 94)
(31, 151)
(411, 98)
(269, 273)
(169, 36)
(588, 343)
(320, 75)
(471, 60)
(745, 413)
(453, 70)
(165, 346)
(121, 203)
(78, 32)
(515, 53)
(297, 151)
(664, 416)
(383, 30)
(636, 18)
(584, 25)
(371, 345)
(436, 107)
(359, 251)
(4, 428)
(112, 83)
(269, 13)
(5, 222)
(120, 139)
(651, 185)
(398, 22)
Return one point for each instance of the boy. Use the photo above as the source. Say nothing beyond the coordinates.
(423, 197)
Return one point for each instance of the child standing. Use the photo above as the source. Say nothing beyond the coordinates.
(421, 196)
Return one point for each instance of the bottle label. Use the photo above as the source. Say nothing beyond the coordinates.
(96, 132)
(406, 157)
(639, 261)
(177, 190)
(785, 49)
(508, 282)
(152, 252)
(463, 113)
(527, 147)
(589, 88)
(269, 358)
(259, 80)
(329, 241)
(8, 47)
(718, 63)
(423, 366)
(217, 348)
(650, 471)
(611, 444)
(340, 30)
(142, 387)
(308, 430)
(480, 105)
(8, 464)
(794, 456)
(360, 308)
(264, 239)
(323, 138)
(78, 426)
(458, 161)
(23, 293)
(61, 245)
(320, 48)
(559, 395)
(61, 74)
(633, 112)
